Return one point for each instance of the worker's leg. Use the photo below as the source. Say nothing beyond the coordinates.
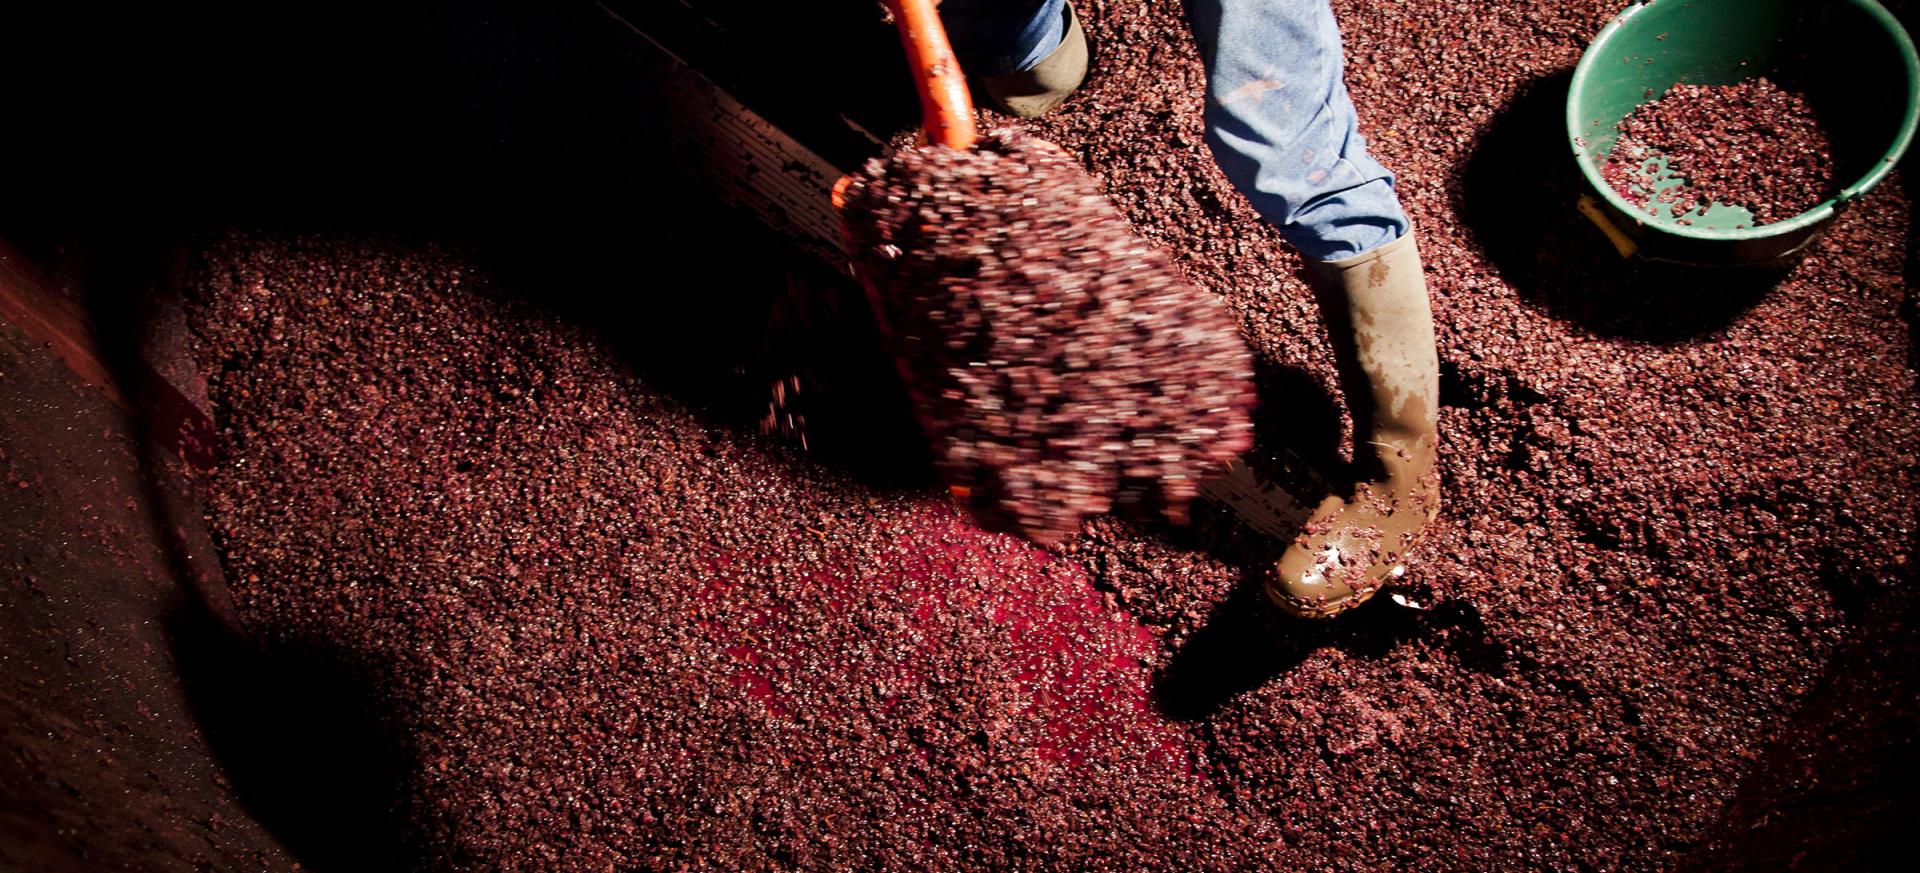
(1026, 55)
(993, 37)
(1283, 129)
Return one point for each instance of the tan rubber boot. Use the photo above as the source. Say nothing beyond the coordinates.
(1381, 327)
(1033, 93)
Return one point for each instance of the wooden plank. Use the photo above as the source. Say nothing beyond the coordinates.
(752, 162)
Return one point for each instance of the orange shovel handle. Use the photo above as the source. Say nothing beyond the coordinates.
(945, 105)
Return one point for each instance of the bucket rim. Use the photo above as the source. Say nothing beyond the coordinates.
(1805, 221)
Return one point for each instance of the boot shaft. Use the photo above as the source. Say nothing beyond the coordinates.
(1380, 325)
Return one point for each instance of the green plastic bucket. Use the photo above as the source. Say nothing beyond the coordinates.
(1850, 57)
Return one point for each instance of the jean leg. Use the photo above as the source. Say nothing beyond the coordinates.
(996, 37)
(1283, 129)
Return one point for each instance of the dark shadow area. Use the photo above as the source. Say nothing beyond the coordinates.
(841, 398)
(1910, 307)
(1517, 194)
(1244, 644)
(520, 135)
(1298, 417)
(714, 308)
(300, 741)
(510, 133)
(1839, 785)
(1860, 112)
(717, 310)
(1247, 642)
(492, 117)
(294, 730)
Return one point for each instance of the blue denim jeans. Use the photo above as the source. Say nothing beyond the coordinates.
(994, 37)
(1279, 120)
